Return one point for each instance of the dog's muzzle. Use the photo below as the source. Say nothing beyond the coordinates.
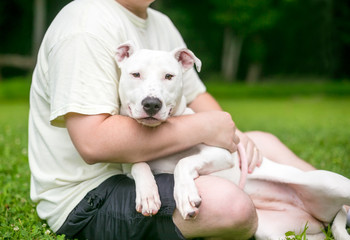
(151, 105)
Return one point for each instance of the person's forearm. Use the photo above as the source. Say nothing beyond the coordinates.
(105, 138)
(122, 139)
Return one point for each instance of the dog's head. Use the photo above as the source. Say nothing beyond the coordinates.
(150, 86)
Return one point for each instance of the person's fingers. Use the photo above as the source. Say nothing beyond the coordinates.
(233, 147)
(260, 158)
(249, 152)
(254, 161)
(236, 139)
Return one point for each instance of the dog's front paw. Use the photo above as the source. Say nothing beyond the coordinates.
(148, 200)
(187, 198)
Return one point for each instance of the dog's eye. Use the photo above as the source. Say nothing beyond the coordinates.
(136, 75)
(168, 76)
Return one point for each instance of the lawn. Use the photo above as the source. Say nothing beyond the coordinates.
(314, 124)
(17, 215)
(315, 128)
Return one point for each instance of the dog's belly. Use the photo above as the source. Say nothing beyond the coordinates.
(280, 209)
(272, 195)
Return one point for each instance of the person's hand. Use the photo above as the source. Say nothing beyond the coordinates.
(253, 154)
(219, 130)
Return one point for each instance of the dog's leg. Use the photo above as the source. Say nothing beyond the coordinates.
(209, 160)
(147, 195)
(339, 226)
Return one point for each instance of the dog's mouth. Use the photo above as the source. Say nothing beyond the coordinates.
(149, 121)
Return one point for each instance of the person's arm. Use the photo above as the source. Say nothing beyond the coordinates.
(106, 138)
(206, 102)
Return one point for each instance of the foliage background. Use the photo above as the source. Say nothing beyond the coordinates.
(287, 37)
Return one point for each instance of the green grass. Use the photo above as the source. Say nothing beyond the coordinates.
(18, 219)
(279, 89)
(315, 128)
(15, 89)
(315, 125)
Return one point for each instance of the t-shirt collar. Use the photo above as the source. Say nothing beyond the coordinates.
(139, 22)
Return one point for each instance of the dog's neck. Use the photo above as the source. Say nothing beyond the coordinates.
(123, 109)
(180, 108)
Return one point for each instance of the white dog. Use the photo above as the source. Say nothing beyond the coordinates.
(150, 91)
(286, 198)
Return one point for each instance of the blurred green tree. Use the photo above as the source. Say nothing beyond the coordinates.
(341, 37)
(22, 25)
(243, 19)
(252, 38)
(201, 34)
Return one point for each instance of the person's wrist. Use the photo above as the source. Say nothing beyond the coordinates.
(205, 127)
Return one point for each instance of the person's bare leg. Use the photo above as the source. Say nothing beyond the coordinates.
(272, 148)
(226, 212)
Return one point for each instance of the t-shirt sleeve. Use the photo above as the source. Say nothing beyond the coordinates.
(193, 86)
(82, 78)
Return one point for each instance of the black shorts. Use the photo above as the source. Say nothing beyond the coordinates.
(108, 212)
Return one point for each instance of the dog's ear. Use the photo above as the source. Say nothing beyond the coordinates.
(187, 58)
(124, 51)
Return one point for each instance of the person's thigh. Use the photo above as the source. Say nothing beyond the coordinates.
(272, 148)
(226, 212)
(108, 212)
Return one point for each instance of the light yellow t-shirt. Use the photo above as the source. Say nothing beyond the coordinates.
(76, 72)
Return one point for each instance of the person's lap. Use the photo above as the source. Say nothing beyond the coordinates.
(108, 212)
(226, 212)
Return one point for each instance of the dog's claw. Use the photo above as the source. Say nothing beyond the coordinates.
(148, 212)
(196, 204)
(187, 198)
(192, 215)
(148, 204)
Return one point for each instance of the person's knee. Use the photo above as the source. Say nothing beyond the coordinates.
(240, 216)
(226, 212)
(234, 211)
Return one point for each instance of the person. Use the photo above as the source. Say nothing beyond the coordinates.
(77, 139)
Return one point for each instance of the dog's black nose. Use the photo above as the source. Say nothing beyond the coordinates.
(151, 105)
